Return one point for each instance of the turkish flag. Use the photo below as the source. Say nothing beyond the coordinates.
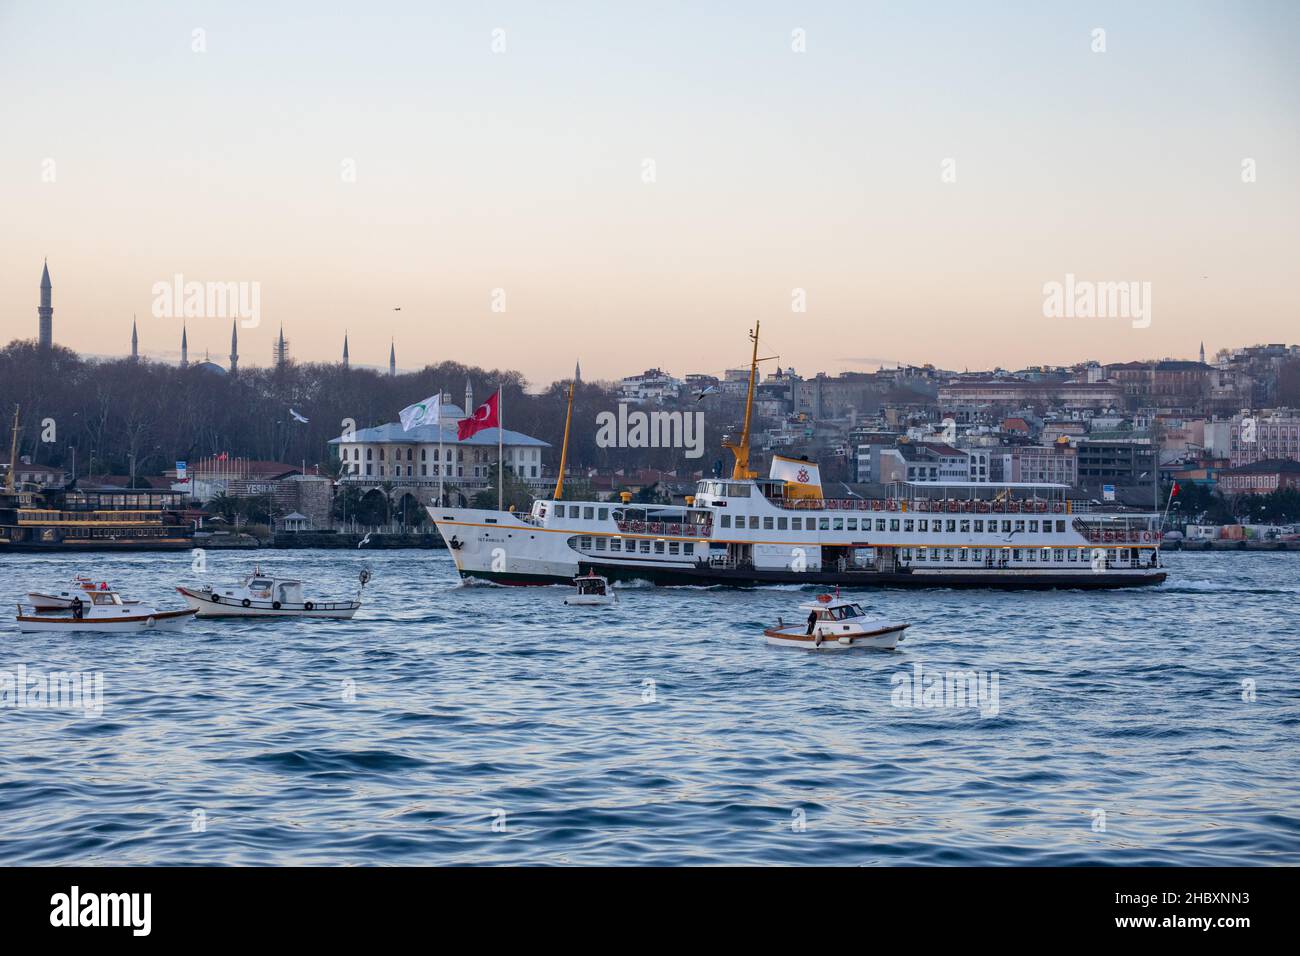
(1174, 493)
(486, 415)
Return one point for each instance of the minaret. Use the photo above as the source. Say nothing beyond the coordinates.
(469, 398)
(281, 352)
(577, 373)
(392, 359)
(345, 349)
(1202, 353)
(46, 311)
(234, 348)
(135, 341)
(185, 347)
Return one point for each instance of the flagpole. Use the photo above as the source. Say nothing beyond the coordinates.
(501, 462)
(442, 462)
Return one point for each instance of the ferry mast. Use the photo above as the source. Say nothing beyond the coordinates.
(741, 471)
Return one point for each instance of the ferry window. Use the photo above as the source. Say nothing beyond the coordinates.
(616, 544)
(979, 525)
(690, 548)
(908, 525)
(839, 524)
(603, 514)
(947, 554)
(1020, 526)
(952, 525)
(753, 522)
(768, 524)
(1015, 554)
(1060, 527)
(559, 511)
(588, 513)
(853, 524)
(1059, 555)
(824, 524)
(906, 554)
(1031, 554)
(796, 524)
(584, 544)
(600, 544)
(1033, 526)
(976, 554)
(920, 554)
(880, 524)
(893, 524)
(659, 547)
(923, 524)
(1006, 526)
(726, 521)
(782, 524)
(645, 546)
(674, 547)
(965, 526)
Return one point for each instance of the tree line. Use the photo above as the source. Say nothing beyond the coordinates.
(124, 416)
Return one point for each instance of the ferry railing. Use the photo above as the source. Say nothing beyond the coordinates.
(680, 529)
(1125, 535)
(922, 506)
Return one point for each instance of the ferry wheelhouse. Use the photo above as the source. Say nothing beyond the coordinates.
(747, 530)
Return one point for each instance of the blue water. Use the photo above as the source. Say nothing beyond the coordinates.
(466, 701)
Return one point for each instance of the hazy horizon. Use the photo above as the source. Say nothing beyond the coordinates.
(132, 158)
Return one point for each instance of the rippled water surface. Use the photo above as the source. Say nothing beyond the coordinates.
(451, 724)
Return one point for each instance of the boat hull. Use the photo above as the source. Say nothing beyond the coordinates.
(884, 637)
(204, 604)
(990, 579)
(66, 624)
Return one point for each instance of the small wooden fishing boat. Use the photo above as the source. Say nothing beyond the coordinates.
(833, 624)
(99, 611)
(268, 595)
(591, 590)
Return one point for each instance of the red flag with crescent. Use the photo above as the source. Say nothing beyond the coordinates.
(486, 415)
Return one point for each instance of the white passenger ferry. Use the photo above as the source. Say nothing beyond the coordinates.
(748, 530)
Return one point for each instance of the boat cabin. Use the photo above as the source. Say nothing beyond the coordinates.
(591, 584)
(262, 587)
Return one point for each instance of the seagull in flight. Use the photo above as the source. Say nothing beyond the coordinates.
(297, 416)
(710, 390)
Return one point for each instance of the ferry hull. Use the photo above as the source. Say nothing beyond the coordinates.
(1009, 580)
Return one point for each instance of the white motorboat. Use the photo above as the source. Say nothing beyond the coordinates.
(99, 611)
(833, 624)
(268, 595)
(591, 590)
(62, 600)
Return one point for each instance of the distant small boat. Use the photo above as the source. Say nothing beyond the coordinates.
(591, 590)
(99, 611)
(267, 595)
(836, 625)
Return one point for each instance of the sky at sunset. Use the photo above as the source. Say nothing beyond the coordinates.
(637, 183)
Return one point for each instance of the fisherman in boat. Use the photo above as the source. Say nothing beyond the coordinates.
(812, 620)
(77, 608)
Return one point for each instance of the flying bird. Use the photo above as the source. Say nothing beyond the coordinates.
(297, 417)
(710, 390)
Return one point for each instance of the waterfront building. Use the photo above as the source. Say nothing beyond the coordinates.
(1260, 477)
